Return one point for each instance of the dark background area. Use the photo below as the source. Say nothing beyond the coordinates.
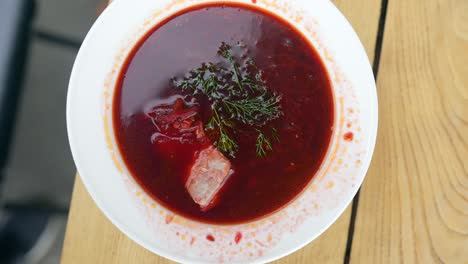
(38, 173)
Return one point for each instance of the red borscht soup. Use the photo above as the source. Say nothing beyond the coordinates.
(223, 113)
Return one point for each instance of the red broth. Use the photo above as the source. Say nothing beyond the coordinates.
(291, 67)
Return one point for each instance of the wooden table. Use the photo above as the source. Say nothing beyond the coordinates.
(413, 206)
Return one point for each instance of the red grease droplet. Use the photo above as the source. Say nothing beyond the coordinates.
(169, 218)
(254, 1)
(238, 237)
(210, 238)
(192, 241)
(348, 136)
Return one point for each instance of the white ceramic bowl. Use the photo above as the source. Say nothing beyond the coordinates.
(161, 231)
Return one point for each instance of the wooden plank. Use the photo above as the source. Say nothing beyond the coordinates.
(364, 17)
(414, 203)
(91, 238)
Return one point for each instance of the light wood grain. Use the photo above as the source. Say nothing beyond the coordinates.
(91, 238)
(414, 203)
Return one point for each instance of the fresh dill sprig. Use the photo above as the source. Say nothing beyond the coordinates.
(225, 142)
(255, 110)
(237, 94)
(275, 134)
(263, 144)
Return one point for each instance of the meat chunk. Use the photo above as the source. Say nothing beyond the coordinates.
(177, 121)
(178, 129)
(207, 176)
(175, 118)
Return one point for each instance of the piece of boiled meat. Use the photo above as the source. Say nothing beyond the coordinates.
(208, 174)
(178, 124)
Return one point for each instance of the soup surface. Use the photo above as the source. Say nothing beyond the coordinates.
(272, 156)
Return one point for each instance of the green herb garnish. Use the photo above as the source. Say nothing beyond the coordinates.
(263, 144)
(237, 94)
